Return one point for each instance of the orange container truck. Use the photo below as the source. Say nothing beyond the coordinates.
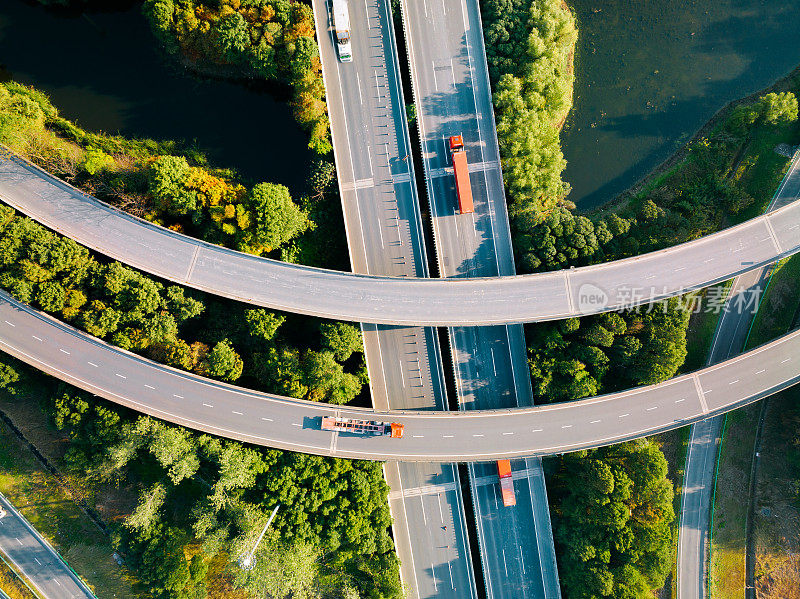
(362, 427)
(506, 482)
(461, 171)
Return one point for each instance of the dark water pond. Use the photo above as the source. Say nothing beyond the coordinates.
(651, 72)
(104, 71)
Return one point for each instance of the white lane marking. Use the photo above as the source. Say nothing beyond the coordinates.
(296, 424)
(448, 436)
(37, 561)
(734, 382)
(441, 511)
(433, 578)
(508, 433)
(122, 376)
(424, 515)
(708, 260)
(58, 583)
(37, 338)
(760, 371)
(92, 364)
(149, 386)
(402, 376)
(18, 541)
(494, 366)
(237, 413)
(567, 426)
(505, 565)
(651, 409)
(208, 405)
(267, 419)
(478, 435)
(358, 83)
(594, 421)
(680, 269)
(178, 396)
(63, 351)
(624, 415)
(521, 560)
(377, 87)
(786, 360)
(680, 400)
(10, 323)
(536, 430)
(418, 436)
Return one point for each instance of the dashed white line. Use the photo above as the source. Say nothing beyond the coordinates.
(92, 364)
(37, 561)
(178, 396)
(149, 386)
(418, 436)
(237, 413)
(10, 323)
(594, 421)
(786, 360)
(63, 351)
(18, 541)
(37, 338)
(760, 371)
(267, 419)
(122, 376)
(208, 405)
(448, 436)
(536, 430)
(650, 409)
(56, 580)
(734, 382)
(478, 435)
(680, 400)
(508, 433)
(567, 426)
(624, 415)
(296, 424)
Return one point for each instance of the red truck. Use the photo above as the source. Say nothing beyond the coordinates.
(506, 482)
(362, 427)
(461, 171)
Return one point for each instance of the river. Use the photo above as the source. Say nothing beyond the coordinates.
(649, 73)
(104, 71)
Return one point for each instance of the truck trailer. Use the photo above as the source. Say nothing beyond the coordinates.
(341, 27)
(506, 482)
(362, 427)
(461, 171)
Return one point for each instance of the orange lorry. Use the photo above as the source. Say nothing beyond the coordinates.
(461, 171)
(362, 427)
(506, 482)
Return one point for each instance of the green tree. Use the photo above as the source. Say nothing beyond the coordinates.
(341, 339)
(222, 362)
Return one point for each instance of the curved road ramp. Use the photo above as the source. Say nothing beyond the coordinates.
(398, 300)
(481, 435)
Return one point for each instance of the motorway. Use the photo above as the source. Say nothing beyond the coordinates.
(430, 436)
(457, 301)
(36, 559)
(453, 97)
(729, 340)
(385, 236)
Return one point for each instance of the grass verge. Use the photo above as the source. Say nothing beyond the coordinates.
(40, 497)
(777, 514)
(779, 303)
(731, 501)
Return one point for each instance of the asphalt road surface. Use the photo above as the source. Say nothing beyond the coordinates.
(460, 301)
(729, 340)
(453, 97)
(430, 436)
(36, 559)
(384, 232)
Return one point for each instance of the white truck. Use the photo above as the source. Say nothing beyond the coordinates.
(341, 26)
